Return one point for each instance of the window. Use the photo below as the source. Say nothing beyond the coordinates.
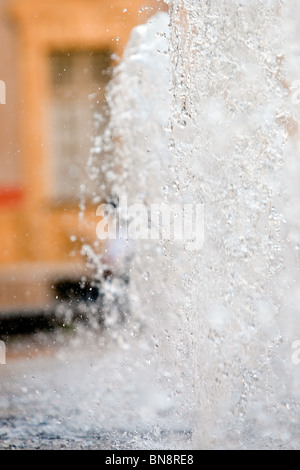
(78, 84)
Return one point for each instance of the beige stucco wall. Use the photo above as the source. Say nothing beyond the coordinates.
(9, 155)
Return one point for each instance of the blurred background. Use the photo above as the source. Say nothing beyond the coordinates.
(57, 58)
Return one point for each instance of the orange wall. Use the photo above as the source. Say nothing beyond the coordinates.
(9, 168)
(32, 232)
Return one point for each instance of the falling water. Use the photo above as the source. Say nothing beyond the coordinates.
(204, 110)
(224, 318)
(234, 128)
(137, 142)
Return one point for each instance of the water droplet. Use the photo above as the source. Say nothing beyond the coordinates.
(146, 276)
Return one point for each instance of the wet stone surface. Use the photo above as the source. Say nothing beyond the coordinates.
(95, 397)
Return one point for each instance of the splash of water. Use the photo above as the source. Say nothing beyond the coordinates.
(224, 318)
(138, 138)
(231, 126)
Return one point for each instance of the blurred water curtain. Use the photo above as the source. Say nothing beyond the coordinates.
(235, 131)
(227, 137)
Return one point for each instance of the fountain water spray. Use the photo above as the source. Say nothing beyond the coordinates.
(222, 319)
(232, 130)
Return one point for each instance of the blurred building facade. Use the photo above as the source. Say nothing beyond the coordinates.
(56, 59)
